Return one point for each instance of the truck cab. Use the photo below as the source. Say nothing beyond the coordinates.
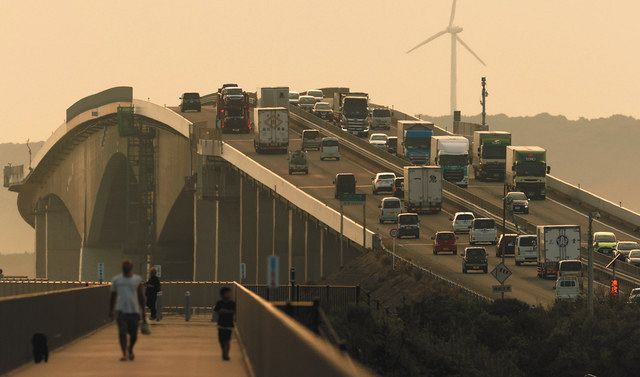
(526, 249)
(298, 162)
(380, 119)
(408, 225)
(414, 141)
(351, 112)
(526, 170)
(452, 153)
(489, 154)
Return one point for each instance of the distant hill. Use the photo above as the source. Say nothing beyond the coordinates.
(599, 154)
(18, 264)
(16, 235)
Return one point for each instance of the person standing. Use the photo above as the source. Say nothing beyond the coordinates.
(127, 305)
(226, 309)
(151, 292)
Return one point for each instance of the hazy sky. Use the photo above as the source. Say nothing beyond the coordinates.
(572, 57)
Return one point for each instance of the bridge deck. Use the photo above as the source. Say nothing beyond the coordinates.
(175, 348)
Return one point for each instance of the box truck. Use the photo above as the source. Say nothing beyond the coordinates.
(556, 243)
(423, 188)
(414, 141)
(271, 131)
(489, 151)
(274, 97)
(452, 154)
(526, 171)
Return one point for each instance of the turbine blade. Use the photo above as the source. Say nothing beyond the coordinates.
(453, 13)
(469, 49)
(436, 35)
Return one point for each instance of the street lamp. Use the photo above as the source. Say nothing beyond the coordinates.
(592, 215)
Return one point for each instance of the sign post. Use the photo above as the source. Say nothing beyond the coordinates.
(394, 234)
(501, 273)
(348, 199)
(273, 271)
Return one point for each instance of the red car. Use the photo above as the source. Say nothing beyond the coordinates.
(445, 242)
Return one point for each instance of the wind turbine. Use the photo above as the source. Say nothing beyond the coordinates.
(455, 39)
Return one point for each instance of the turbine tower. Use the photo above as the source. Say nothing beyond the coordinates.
(455, 39)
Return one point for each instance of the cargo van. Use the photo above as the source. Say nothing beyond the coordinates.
(567, 288)
(526, 249)
(345, 183)
(311, 139)
(329, 148)
(390, 208)
(483, 230)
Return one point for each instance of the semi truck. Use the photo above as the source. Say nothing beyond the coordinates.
(380, 119)
(423, 189)
(526, 170)
(271, 133)
(414, 141)
(452, 154)
(351, 112)
(234, 110)
(277, 96)
(556, 243)
(489, 151)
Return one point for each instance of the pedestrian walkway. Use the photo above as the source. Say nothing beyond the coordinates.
(175, 348)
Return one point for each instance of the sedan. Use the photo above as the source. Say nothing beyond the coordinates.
(378, 140)
(633, 257)
(383, 182)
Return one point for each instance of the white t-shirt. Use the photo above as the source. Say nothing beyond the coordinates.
(126, 289)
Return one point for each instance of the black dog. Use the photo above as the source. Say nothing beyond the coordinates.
(40, 348)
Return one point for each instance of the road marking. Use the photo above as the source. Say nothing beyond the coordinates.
(594, 220)
(329, 187)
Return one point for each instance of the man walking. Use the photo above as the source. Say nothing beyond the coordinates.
(151, 291)
(127, 304)
(225, 308)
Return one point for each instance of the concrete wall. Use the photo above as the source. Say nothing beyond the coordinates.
(62, 316)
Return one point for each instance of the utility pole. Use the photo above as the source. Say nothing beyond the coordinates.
(504, 212)
(483, 102)
(590, 263)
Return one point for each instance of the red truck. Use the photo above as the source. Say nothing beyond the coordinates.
(235, 109)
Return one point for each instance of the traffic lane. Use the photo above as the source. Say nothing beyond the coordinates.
(526, 286)
(207, 114)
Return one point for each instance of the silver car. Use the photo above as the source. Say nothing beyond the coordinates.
(390, 208)
(462, 221)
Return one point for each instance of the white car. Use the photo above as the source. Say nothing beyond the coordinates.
(390, 208)
(526, 249)
(624, 247)
(293, 98)
(461, 222)
(483, 230)
(383, 182)
(378, 140)
(567, 288)
(633, 257)
(634, 295)
(316, 93)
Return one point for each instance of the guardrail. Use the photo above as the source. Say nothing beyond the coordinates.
(209, 99)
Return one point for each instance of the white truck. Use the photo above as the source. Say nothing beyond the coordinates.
(271, 132)
(423, 188)
(556, 243)
(380, 119)
(274, 97)
(452, 154)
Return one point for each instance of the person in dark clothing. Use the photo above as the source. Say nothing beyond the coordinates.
(127, 306)
(225, 309)
(151, 292)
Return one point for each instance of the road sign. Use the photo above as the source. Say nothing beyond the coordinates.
(393, 232)
(273, 271)
(501, 288)
(501, 272)
(101, 271)
(158, 268)
(352, 199)
(243, 271)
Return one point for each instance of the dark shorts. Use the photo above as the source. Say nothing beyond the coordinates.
(128, 323)
(224, 335)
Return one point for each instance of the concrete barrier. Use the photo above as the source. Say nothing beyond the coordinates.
(278, 346)
(62, 316)
(297, 197)
(15, 288)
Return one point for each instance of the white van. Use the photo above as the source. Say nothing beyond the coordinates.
(329, 148)
(390, 208)
(567, 288)
(483, 230)
(526, 249)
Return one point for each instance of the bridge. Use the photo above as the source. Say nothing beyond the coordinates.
(126, 178)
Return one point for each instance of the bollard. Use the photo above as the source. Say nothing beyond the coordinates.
(159, 307)
(187, 306)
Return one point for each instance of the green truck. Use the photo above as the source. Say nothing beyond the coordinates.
(526, 171)
(489, 150)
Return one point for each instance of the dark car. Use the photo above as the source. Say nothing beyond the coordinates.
(475, 258)
(190, 101)
(445, 242)
(392, 144)
(408, 225)
(345, 183)
(506, 245)
(398, 187)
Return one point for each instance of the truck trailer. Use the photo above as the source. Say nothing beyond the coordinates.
(489, 151)
(423, 189)
(271, 131)
(277, 96)
(526, 170)
(452, 154)
(414, 141)
(234, 112)
(556, 243)
(351, 112)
